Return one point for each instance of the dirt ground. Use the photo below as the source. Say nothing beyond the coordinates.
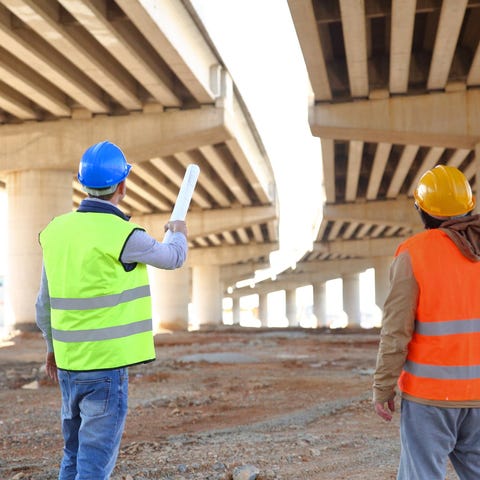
(287, 403)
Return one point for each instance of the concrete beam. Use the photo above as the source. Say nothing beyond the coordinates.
(329, 268)
(60, 144)
(450, 120)
(305, 24)
(249, 154)
(355, 40)
(400, 212)
(230, 274)
(57, 70)
(93, 62)
(326, 270)
(210, 222)
(173, 34)
(371, 247)
(402, 24)
(229, 254)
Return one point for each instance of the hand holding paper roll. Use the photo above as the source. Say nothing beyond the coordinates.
(184, 197)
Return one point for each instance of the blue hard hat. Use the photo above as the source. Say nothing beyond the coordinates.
(103, 165)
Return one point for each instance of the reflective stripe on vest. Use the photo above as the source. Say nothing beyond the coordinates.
(100, 313)
(108, 333)
(442, 372)
(443, 360)
(100, 302)
(449, 327)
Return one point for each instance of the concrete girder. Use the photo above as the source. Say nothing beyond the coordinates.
(379, 162)
(451, 18)
(328, 270)
(251, 159)
(11, 101)
(175, 174)
(24, 44)
(219, 164)
(406, 160)
(328, 158)
(218, 192)
(403, 21)
(173, 34)
(126, 46)
(355, 151)
(229, 254)
(60, 144)
(42, 17)
(210, 222)
(32, 85)
(400, 212)
(450, 120)
(370, 247)
(355, 39)
(231, 274)
(304, 21)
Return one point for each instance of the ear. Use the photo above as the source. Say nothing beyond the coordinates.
(122, 187)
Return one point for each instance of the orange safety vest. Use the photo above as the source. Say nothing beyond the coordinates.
(443, 361)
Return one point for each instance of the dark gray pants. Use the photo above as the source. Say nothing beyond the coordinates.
(431, 434)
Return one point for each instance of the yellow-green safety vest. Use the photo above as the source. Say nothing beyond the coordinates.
(100, 312)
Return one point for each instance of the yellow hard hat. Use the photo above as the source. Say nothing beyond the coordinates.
(444, 192)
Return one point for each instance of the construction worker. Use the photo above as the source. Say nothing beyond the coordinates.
(94, 310)
(430, 338)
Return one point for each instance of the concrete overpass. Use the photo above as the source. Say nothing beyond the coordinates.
(146, 76)
(396, 91)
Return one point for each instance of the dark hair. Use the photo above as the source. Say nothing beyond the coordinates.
(102, 193)
(431, 222)
(103, 197)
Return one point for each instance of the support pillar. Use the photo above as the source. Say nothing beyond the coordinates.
(34, 198)
(170, 291)
(263, 309)
(236, 310)
(291, 307)
(207, 295)
(351, 298)
(320, 303)
(382, 280)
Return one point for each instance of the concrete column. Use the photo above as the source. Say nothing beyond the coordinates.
(382, 281)
(207, 295)
(351, 298)
(291, 307)
(34, 198)
(320, 303)
(236, 310)
(170, 298)
(263, 309)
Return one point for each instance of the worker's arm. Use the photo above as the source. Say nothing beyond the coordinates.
(43, 319)
(142, 248)
(398, 324)
(42, 311)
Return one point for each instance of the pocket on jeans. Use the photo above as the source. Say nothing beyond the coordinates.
(95, 394)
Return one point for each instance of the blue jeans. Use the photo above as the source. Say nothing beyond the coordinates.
(430, 435)
(94, 409)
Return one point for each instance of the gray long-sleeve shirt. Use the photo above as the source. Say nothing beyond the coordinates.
(139, 248)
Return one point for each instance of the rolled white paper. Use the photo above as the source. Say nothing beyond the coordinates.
(184, 197)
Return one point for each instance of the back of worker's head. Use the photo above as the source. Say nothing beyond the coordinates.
(102, 167)
(441, 194)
